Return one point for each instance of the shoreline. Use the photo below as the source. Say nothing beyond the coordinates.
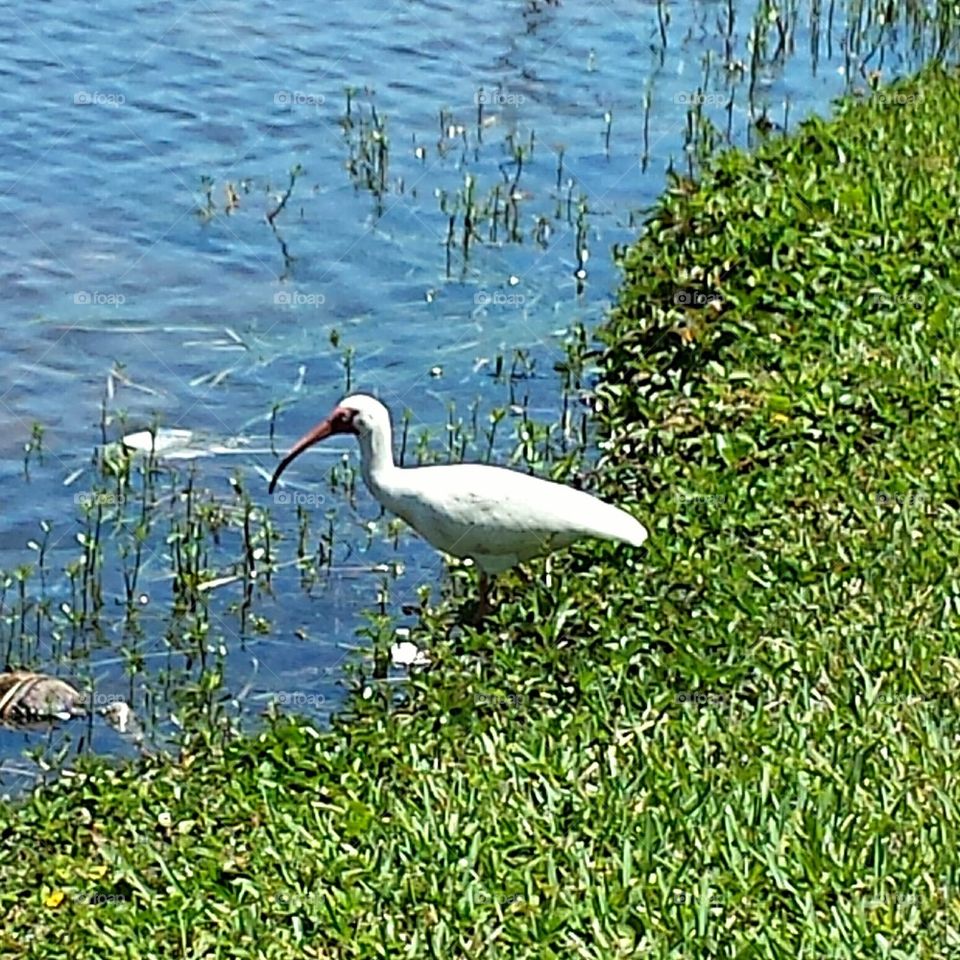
(543, 791)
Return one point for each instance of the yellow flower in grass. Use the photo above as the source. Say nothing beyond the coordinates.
(54, 899)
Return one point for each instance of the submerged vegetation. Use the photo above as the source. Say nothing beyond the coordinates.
(747, 745)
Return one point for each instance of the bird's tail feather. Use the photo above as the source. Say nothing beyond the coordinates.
(617, 524)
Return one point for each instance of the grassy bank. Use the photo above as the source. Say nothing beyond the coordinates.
(745, 746)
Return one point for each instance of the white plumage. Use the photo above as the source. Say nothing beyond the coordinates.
(495, 516)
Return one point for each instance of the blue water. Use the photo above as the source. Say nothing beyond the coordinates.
(111, 116)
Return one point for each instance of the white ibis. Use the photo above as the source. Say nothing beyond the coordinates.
(495, 516)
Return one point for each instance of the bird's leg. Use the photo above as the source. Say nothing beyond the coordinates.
(483, 606)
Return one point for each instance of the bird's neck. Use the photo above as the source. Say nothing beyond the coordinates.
(376, 460)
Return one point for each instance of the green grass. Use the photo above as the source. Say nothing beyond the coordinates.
(741, 742)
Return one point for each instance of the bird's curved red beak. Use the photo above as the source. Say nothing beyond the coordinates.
(340, 421)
